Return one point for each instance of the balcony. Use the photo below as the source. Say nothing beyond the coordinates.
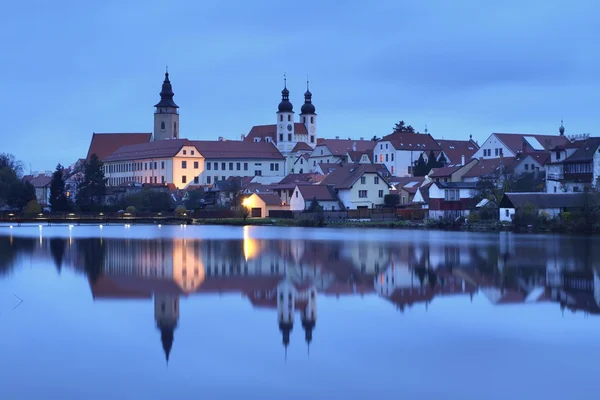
(575, 177)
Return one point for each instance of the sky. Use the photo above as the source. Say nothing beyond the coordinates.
(71, 68)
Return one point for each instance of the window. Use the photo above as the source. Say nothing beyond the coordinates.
(146, 166)
(376, 180)
(208, 165)
(314, 163)
(380, 193)
(381, 146)
(386, 146)
(238, 166)
(362, 194)
(184, 164)
(312, 120)
(162, 179)
(276, 166)
(558, 155)
(184, 179)
(223, 177)
(312, 139)
(155, 179)
(192, 152)
(184, 152)
(296, 194)
(208, 180)
(155, 164)
(281, 137)
(387, 157)
(223, 166)
(162, 165)
(363, 180)
(507, 213)
(526, 167)
(501, 151)
(195, 164)
(257, 172)
(289, 117)
(162, 126)
(245, 166)
(554, 189)
(231, 166)
(216, 166)
(496, 151)
(392, 157)
(321, 151)
(451, 195)
(272, 167)
(175, 129)
(289, 137)
(381, 158)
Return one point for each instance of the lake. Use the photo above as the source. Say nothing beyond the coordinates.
(155, 312)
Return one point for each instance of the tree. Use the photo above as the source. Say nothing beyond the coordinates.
(442, 160)
(9, 161)
(314, 207)
(93, 185)
(32, 208)
(402, 127)
(431, 162)
(58, 198)
(57, 248)
(14, 191)
(391, 200)
(420, 167)
(150, 200)
(193, 199)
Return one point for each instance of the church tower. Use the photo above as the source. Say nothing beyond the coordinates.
(309, 315)
(286, 303)
(166, 115)
(308, 116)
(166, 314)
(285, 121)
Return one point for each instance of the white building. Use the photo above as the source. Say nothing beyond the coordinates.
(331, 151)
(304, 195)
(511, 144)
(551, 204)
(358, 185)
(574, 167)
(399, 151)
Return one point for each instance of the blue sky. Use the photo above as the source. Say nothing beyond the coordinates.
(72, 68)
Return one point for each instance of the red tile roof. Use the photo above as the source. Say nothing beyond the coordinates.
(104, 144)
(270, 199)
(301, 146)
(489, 165)
(156, 149)
(232, 149)
(515, 141)
(321, 192)
(412, 141)
(455, 149)
(346, 175)
(355, 156)
(339, 147)
(447, 170)
(264, 131)
(301, 178)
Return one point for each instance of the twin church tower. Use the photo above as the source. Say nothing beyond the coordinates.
(288, 132)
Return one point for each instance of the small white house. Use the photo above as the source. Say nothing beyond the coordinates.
(359, 185)
(304, 195)
(551, 203)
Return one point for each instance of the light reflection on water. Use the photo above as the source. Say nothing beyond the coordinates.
(295, 312)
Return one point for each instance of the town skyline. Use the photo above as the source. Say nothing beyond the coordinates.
(63, 90)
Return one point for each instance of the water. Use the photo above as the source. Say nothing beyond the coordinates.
(406, 314)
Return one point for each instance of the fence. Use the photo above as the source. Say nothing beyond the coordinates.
(384, 214)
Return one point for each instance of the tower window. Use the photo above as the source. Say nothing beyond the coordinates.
(281, 118)
(312, 120)
(304, 119)
(162, 125)
(281, 137)
(289, 117)
(175, 126)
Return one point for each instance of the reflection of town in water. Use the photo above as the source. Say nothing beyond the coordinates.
(288, 276)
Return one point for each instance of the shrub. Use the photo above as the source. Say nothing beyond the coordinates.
(179, 211)
(131, 210)
(473, 217)
(32, 208)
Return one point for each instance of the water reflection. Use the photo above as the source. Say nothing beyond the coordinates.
(287, 275)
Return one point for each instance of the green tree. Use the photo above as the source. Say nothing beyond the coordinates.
(314, 207)
(150, 200)
(58, 198)
(193, 199)
(420, 167)
(391, 200)
(14, 191)
(402, 127)
(442, 160)
(93, 185)
(32, 208)
(431, 162)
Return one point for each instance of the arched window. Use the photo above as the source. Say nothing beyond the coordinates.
(162, 125)
(303, 119)
(289, 117)
(281, 118)
(312, 120)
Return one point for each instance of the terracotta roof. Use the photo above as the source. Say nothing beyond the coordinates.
(586, 150)
(270, 199)
(104, 144)
(346, 175)
(515, 141)
(488, 166)
(301, 146)
(156, 149)
(355, 156)
(234, 149)
(339, 147)
(455, 149)
(446, 170)
(301, 178)
(264, 131)
(412, 141)
(321, 192)
(424, 190)
(328, 168)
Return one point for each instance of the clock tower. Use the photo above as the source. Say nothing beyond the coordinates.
(285, 121)
(308, 116)
(166, 115)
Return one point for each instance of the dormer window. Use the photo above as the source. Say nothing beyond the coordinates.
(558, 155)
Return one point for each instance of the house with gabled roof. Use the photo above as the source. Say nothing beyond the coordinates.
(451, 172)
(301, 164)
(358, 185)
(511, 144)
(455, 151)
(331, 151)
(400, 150)
(304, 195)
(104, 144)
(261, 204)
(574, 167)
(451, 199)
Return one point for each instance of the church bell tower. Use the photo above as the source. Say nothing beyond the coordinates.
(166, 115)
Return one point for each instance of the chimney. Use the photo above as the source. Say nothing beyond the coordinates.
(354, 146)
(362, 138)
(462, 160)
(243, 137)
(220, 138)
(337, 138)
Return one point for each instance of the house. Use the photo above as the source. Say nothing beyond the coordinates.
(358, 185)
(510, 144)
(421, 196)
(304, 195)
(489, 169)
(551, 203)
(451, 199)
(574, 167)
(104, 144)
(360, 157)
(286, 186)
(405, 188)
(452, 172)
(261, 204)
(331, 151)
(455, 151)
(41, 183)
(400, 150)
(301, 165)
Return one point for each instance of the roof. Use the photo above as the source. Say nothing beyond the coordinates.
(455, 149)
(104, 144)
(411, 141)
(320, 192)
(489, 166)
(355, 156)
(586, 151)
(264, 131)
(543, 200)
(301, 146)
(424, 190)
(270, 199)
(156, 149)
(339, 147)
(533, 142)
(301, 178)
(456, 185)
(234, 149)
(345, 176)
(38, 181)
(446, 170)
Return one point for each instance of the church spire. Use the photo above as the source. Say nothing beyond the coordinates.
(166, 94)
(308, 107)
(561, 130)
(285, 105)
(166, 337)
